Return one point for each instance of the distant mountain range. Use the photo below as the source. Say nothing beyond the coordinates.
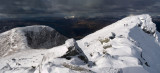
(72, 27)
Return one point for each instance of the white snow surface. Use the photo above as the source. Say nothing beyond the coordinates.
(70, 42)
(130, 50)
(131, 47)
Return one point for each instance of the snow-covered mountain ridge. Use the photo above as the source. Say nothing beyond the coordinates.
(132, 42)
(130, 45)
(34, 37)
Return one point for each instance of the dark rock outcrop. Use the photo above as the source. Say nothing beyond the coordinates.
(74, 51)
(46, 37)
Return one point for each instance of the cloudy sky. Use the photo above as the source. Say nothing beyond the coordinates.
(78, 7)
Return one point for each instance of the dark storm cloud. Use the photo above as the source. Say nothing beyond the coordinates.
(79, 7)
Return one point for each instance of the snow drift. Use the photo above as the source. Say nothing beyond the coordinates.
(130, 45)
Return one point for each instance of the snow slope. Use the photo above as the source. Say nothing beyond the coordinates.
(30, 37)
(134, 48)
(130, 45)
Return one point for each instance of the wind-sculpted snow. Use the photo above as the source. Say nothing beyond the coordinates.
(135, 47)
(130, 45)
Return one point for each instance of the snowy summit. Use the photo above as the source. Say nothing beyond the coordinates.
(130, 45)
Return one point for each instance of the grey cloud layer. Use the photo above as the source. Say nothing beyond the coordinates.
(78, 7)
